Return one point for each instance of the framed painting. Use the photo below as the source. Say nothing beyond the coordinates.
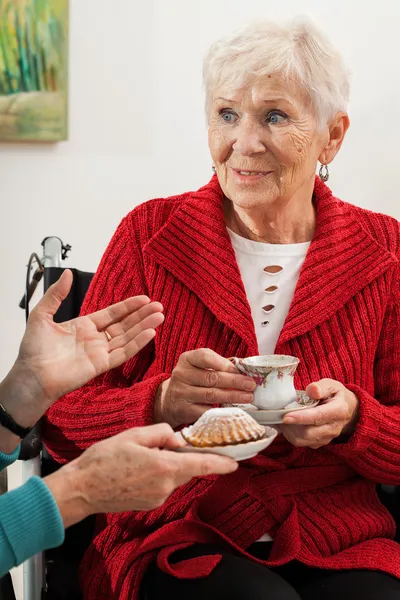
(33, 70)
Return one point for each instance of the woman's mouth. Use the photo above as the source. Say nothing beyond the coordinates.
(249, 176)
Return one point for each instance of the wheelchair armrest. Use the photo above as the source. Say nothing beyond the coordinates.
(31, 446)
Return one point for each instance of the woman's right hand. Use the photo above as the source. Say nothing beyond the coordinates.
(134, 470)
(201, 379)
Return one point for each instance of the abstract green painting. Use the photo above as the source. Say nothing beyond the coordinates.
(33, 70)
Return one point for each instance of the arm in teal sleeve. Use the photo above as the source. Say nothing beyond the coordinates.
(7, 459)
(30, 522)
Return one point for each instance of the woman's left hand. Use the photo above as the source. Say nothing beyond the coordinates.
(336, 415)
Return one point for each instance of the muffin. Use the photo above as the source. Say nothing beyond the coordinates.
(223, 427)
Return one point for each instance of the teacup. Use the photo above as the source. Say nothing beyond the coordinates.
(273, 375)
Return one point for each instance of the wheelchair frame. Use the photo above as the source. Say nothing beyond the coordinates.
(34, 576)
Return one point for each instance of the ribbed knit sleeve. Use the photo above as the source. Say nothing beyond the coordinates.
(7, 459)
(374, 448)
(30, 522)
(119, 399)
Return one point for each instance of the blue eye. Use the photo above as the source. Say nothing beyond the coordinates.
(228, 117)
(275, 117)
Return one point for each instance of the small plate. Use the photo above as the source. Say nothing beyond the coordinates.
(237, 451)
(275, 416)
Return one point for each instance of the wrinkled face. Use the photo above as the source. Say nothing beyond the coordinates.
(264, 141)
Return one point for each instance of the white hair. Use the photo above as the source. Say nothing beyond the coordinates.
(296, 50)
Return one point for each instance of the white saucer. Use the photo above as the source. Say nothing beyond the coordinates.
(275, 416)
(237, 451)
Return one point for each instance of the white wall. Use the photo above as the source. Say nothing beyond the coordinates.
(137, 126)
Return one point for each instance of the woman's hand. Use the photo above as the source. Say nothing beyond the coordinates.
(200, 380)
(65, 356)
(56, 358)
(335, 416)
(134, 470)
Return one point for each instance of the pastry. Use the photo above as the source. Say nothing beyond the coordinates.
(223, 427)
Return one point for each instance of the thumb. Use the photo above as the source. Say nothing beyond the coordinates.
(155, 436)
(325, 388)
(201, 465)
(56, 293)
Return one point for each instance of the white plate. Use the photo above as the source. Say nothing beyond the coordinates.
(237, 451)
(275, 416)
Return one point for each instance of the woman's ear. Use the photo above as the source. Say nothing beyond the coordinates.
(337, 130)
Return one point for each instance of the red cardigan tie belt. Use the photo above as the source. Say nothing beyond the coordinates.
(276, 493)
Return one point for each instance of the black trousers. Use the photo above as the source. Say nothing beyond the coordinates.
(6, 588)
(237, 578)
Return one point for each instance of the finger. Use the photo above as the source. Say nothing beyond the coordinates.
(324, 388)
(189, 413)
(208, 378)
(177, 441)
(202, 395)
(56, 293)
(204, 358)
(153, 436)
(319, 436)
(152, 321)
(196, 465)
(313, 437)
(331, 410)
(116, 312)
(120, 355)
(192, 412)
(134, 318)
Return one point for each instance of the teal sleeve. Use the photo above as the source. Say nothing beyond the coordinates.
(7, 459)
(30, 522)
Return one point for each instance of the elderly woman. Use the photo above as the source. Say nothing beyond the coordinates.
(263, 259)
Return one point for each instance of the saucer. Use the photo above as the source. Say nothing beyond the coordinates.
(275, 416)
(236, 451)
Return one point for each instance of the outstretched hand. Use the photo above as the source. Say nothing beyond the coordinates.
(65, 356)
(134, 470)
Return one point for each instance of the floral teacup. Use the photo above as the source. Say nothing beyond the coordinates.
(273, 375)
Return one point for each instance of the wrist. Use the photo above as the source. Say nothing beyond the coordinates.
(22, 395)
(159, 402)
(67, 486)
(353, 403)
(8, 441)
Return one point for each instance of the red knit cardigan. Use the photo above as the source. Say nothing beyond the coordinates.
(320, 506)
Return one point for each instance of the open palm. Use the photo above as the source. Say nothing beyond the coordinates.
(65, 356)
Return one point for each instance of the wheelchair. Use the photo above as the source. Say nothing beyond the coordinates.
(54, 574)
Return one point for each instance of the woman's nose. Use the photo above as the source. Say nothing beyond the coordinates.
(249, 139)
